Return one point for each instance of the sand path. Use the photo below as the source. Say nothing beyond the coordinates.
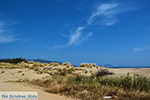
(15, 74)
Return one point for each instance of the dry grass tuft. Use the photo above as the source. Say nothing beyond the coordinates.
(54, 64)
(88, 65)
(67, 64)
(91, 88)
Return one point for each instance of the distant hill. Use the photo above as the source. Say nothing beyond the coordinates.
(10, 60)
(42, 61)
(13, 60)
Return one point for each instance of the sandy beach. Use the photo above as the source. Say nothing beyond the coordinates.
(141, 71)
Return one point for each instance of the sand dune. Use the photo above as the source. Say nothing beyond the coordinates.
(11, 79)
(9, 76)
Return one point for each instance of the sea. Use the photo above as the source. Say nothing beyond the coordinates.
(128, 66)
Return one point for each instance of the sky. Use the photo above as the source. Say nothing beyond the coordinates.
(115, 32)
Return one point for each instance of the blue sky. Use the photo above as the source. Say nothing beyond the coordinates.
(113, 32)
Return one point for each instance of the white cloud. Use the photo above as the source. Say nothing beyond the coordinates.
(84, 39)
(6, 34)
(104, 10)
(106, 14)
(7, 38)
(141, 49)
(75, 36)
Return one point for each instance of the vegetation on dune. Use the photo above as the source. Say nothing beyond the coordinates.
(131, 82)
(66, 81)
(91, 88)
(95, 87)
(88, 65)
(54, 64)
(103, 72)
(67, 64)
(65, 71)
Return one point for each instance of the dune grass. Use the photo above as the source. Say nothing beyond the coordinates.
(129, 87)
(131, 82)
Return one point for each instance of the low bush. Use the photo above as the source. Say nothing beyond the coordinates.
(103, 72)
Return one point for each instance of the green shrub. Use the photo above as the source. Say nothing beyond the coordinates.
(103, 72)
